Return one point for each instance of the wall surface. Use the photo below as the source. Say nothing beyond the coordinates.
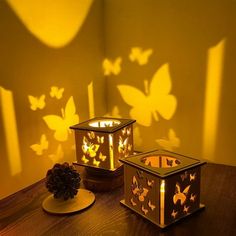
(169, 64)
(34, 117)
(172, 68)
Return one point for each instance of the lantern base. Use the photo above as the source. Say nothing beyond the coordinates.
(100, 180)
(82, 200)
(201, 207)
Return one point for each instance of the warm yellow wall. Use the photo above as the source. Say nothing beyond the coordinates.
(180, 88)
(197, 41)
(30, 63)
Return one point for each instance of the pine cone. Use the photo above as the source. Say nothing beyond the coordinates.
(63, 181)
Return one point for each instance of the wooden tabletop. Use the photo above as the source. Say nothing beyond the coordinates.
(21, 214)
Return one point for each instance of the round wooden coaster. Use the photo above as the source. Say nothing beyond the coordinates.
(82, 200)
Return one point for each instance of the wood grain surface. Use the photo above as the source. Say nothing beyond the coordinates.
(21, 214)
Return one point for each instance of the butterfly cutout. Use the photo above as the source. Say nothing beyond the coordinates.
(91, 135)
(171, 142)
(56, 92)
(138, 190)
(101, 157)
(180, 196)
(140, 55)
(186, 209)
(96, 163)
(89, 148)
(61, 124)
(151, 205)
(100, 139)
(84, 159)
(128, 131)
(184, 176)
(58, 155)
(145, 211)
(123, 131)
(156, 101)
(112, 67)
(40, 147)
(152, 161)
(193, 197)
(123, 145)
(133, 202)
(37, 103)
(192, 177)
(129, 147)
(174, 214)
(150, 183)
(52, 22)
(140, 174)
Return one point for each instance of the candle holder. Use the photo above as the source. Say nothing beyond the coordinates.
(100, 143)
(162, 186)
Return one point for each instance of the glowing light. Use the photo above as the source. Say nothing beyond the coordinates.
(37, 103)
(41, 146)
(111, 151)
(110, 67)
(55, 23)
(10, 129)
(160, 161)
(104, 123)
(56, 92)
(212, 98)
(61, 124)
(140, 55)
(158, 99)
(162, 202)
(91, 100)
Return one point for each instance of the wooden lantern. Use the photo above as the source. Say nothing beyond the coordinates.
(101, 142)
(162, 186)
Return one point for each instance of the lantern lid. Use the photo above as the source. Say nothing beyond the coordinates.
(103, 124)
(162, 163)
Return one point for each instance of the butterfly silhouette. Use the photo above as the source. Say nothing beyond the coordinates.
(150, 183)
(101, 157)
(123, 145)
(180, 196)
(186, 208)
(89, 148)
(145, 211)
(40, 147)
(37, 103)
(56, 92)
(193, 197)
(110, 67)
(61, 124)
(139, 55)
(156, 101)
(192, 177)
(138, 190)
(100, 139)
(171, 142)
(96, 163)
(84, 159)
(91, 135)
(152, 161)
(133, 202)
(58, 155)
(174, 214)
(151, 205)
(184, 176)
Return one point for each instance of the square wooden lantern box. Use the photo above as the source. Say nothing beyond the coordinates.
(162, 186)
(101, 142)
